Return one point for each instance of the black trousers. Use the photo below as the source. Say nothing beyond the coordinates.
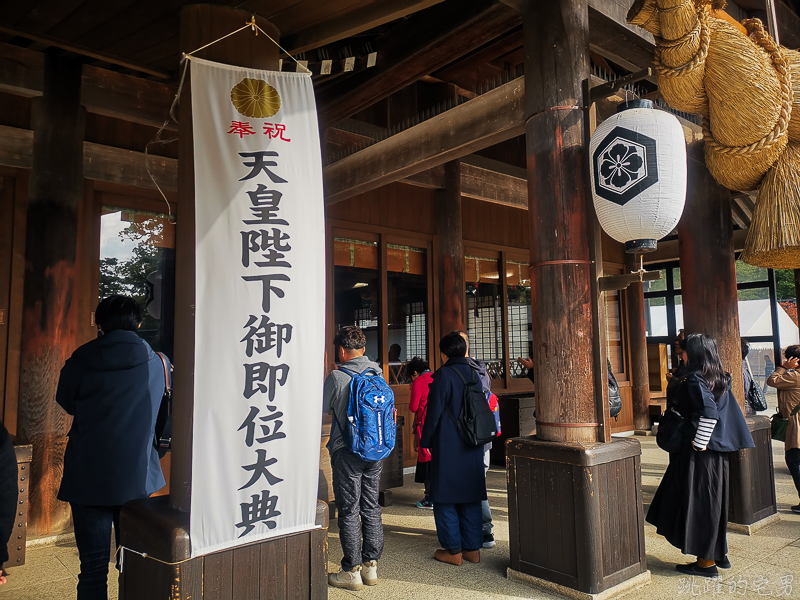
(93, 538)
(355, 483)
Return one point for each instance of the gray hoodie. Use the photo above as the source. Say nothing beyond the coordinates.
(336, 395)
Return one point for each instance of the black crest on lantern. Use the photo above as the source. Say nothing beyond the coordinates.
(625, 165)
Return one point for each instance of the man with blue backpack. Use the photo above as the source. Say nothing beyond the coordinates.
(362, 435)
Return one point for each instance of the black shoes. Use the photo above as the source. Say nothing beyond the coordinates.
(693, 569)
(796, 509)
(724, 563)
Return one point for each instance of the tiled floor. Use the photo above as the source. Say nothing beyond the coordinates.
(762, 563)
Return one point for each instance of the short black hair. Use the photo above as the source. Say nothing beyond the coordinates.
(790, 352)
(118, 312)
(350, 338)
(453, 345)
(417, 365)
(745, 348)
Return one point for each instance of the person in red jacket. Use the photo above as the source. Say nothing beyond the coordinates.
(421, 377)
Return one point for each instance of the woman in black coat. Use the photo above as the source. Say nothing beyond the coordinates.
(458, 483)
(690, 507)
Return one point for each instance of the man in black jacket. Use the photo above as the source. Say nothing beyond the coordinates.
(112, 386)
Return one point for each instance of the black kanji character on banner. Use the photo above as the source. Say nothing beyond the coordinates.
(250, 425)
(259, 469)
(257, 372)
(250, 242)
(259, 164)
(266, 335)
(269, 432)
(265, 206)
(267, 287)
(260, 510)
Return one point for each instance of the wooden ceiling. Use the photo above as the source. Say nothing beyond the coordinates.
(146, 31)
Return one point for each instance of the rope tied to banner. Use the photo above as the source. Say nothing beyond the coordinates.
(176, 101)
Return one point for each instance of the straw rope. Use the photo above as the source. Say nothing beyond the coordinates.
(698, 60)
(762, 38)
(773, 239)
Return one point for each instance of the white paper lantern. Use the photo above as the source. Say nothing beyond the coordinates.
(638, 171)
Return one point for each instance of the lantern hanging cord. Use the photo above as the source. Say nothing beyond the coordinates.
(254, 26)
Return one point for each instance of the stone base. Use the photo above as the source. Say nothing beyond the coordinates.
(645, 432)
(626, 586)
(753, 527)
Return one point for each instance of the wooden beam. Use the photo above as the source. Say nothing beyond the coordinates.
(101, 163)
(415, 48)
(487, 120)
(611, 36)
(83, 51)
(102, 91)
(353, 23)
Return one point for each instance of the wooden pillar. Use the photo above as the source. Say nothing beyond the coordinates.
(637, 336)
(50, 290)
(200, 25)
(708, 270)
(556, 64)
(449, 228)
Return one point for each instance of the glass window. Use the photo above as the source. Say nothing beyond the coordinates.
(356, 285)
(655, 316)
(659, 285)
(678, 312)
(519, 315)
(485, 313)
(676, 278)
(746, 273)
(755, 313)
(137, 258)
(408, 308)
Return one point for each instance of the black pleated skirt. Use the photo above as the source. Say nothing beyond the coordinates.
(690, 507)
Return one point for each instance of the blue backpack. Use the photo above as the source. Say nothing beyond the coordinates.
(371, 429)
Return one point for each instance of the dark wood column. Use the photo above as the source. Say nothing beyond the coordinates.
(637, 336)
(50, 302)
(451, 251)
(200, 25)
(708, 270)
(556, 63)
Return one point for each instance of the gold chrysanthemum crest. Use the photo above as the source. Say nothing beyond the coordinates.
(255, 98)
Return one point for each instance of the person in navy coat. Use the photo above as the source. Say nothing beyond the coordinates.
(458, 483)
(112, 386)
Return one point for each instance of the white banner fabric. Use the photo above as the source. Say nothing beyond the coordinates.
(260, 325)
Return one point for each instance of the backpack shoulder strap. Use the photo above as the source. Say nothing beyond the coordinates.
(166, 371)
(474, 375)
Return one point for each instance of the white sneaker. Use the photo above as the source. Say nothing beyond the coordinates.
(369, 572)
(349, 580)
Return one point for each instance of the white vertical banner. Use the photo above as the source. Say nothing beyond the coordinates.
(260, 326)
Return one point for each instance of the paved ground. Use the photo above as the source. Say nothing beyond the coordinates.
(764, 564)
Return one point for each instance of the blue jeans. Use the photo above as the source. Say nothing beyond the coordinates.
(93, 538)
(458, 525)
(793, 462)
